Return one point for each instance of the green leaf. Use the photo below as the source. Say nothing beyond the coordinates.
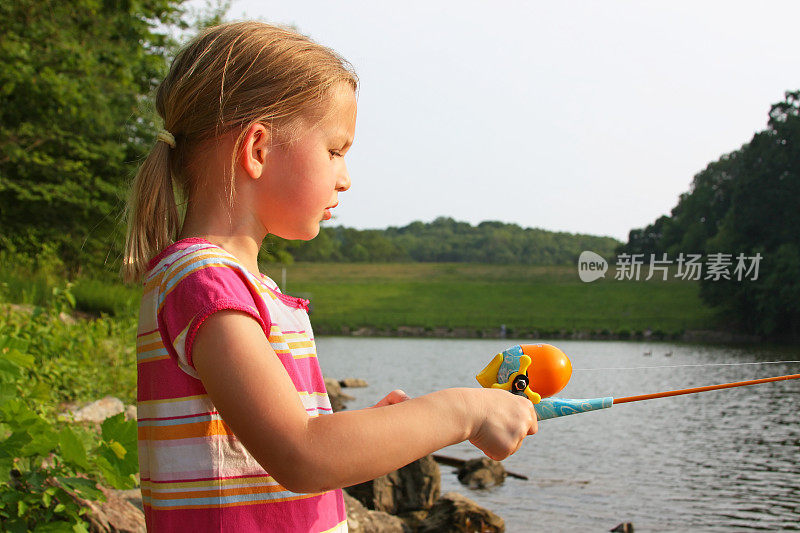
(70, 298)
(121, 430)
(86, 488)
(113, 474)
(55, 527)
(72, 449)
(6, 463)
(14, 444)
(19, 358)
(44, 439)
(13, 343)
(22, 507)
(118, 449)
(15, 526)
(9, 371)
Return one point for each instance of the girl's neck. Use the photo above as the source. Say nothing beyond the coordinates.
(241, 244)
(233, 226)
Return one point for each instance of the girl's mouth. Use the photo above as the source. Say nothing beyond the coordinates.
(327, 215)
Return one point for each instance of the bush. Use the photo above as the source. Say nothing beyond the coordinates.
(45, 463)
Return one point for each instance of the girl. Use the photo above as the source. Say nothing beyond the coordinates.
(235, 430)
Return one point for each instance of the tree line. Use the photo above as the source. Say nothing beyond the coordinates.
(448, 240)
(747, 202)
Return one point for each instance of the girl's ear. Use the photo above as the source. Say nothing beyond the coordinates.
(256, 145)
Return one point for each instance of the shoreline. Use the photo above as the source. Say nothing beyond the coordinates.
(690, 336)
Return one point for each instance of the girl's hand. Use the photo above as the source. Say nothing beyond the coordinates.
(504, 420)
(396, 396)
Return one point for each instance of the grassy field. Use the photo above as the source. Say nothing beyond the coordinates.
(482, 297)
(454, 296)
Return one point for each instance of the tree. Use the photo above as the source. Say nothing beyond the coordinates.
(75, 83)
(747, 202)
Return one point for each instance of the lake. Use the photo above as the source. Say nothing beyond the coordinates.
(715, 461)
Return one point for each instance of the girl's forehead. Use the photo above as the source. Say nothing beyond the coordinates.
(340, 109)
(342, 102)
(335, 116)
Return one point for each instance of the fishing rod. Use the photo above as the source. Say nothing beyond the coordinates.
(537, 371)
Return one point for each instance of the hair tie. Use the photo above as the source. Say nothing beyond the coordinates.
(167, 137)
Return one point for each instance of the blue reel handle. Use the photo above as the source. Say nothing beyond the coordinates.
(555, 407)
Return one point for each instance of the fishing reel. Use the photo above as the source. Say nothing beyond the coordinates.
(535, 371)
(538, 371)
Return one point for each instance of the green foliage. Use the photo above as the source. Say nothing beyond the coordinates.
(39, 281)
(44, 462)
(106, 297)
(745, 203)
(75, 361)
(72, 124)
(447, 240)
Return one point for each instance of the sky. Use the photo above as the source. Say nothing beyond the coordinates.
(580, 116)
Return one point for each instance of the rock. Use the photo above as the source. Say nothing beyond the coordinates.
(352, 382)
(413, 519)
(456, 513)
(115, 515)
(481, 473)
(335, 394)
(332, 386)
(410, 331)
(134, 496)
(625, 527)
(67, 319)
(362, 520)
(18, 308)
(99, 410)
(479, 479)
(412, 488)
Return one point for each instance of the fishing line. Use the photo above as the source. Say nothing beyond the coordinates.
(686, 366)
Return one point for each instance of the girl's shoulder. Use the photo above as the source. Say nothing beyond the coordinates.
(195, 264)
(187, 257)
(181, 248)
(191, 255)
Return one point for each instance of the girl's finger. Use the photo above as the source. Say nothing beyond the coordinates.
(396, 396)
(535, 425)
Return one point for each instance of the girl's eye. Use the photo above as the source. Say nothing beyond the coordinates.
(335, 153)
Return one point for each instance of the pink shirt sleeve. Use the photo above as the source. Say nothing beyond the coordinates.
(190, 296)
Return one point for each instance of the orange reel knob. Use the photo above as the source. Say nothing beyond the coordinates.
(550, 368)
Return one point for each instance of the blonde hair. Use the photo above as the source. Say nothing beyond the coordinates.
(227, 78)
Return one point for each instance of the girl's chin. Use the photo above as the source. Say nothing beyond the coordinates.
(299, 235)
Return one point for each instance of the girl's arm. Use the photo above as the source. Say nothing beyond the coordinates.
(256, 398)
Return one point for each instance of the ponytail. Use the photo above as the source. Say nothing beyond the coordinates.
(152, 213)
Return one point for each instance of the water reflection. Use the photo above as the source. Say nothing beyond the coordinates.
(715, 461)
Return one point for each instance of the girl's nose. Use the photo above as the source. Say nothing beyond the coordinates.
(343, 183)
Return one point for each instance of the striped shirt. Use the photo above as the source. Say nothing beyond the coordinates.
(195, 473)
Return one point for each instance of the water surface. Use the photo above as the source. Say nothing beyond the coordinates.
(717, 461)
